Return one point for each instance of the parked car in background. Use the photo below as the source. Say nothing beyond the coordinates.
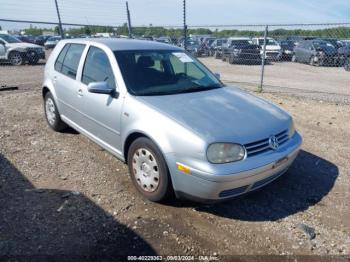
(273, 50)
(179, 129)
(241, 50)
(164, 39)
(26, 38)
(206, 45)
(17, 52)
(40, 40)
(192, 46)
(316, 52)
(287, 47)
(216, 47)
(52, 41)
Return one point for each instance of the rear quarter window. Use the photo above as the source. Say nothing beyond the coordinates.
(68, 60)
(60, 58)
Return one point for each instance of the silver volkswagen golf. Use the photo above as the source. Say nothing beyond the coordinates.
(181, 131)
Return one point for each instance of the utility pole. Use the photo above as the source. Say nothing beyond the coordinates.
(185, 26)
(59, 20)
(129, 22)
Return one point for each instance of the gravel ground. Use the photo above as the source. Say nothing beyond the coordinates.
(62, 194)
(330, 84)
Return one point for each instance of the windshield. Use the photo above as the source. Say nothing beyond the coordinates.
(192, 42)
(163, 72)
(54, 38)
(9, 39)
(323, 45)
(268, 42)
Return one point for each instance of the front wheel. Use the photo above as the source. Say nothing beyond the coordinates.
(148, 170)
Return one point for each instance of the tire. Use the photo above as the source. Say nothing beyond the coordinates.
(347, 64)
(149, 171)
(312, 61)
(294, 59)
(230, 60)
(52, 115)
(16, 58)
(33, 59)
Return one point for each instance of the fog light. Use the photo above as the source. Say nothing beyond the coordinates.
(183, 169)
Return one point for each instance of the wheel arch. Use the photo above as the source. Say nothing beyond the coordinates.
(132, 137)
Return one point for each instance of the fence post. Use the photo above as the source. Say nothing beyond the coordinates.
(129, 21)
(59, 20)
(260, 88)
(185, 26)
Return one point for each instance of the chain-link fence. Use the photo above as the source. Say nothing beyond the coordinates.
(303, 59)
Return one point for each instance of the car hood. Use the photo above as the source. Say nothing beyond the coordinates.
(223, 114)
(24, 45)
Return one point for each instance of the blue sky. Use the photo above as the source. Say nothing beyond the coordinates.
(169, 12)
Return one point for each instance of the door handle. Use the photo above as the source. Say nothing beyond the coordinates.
(54, 79)
(80, 92)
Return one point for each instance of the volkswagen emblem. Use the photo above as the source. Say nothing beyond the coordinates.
(273, 142)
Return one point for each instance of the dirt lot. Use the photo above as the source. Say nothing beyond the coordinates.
(62, 194)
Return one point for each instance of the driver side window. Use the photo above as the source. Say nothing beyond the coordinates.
(97, 67)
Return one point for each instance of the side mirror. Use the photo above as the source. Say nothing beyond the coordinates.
(217, 75)
(100, 88)
(2, 43)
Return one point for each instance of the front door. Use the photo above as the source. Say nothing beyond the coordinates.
(101, 112)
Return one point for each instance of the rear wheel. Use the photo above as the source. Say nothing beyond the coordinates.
(148, 170)
(347, 64)
(230, 60)
(33, 58)
(52, 115)
(16, 58)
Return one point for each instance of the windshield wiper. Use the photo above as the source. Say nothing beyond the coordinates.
(199, 88)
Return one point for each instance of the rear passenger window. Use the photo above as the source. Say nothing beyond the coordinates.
(71, 60)
(97, 68)
(60, 58)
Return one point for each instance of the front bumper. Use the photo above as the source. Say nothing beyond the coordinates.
(196, 185)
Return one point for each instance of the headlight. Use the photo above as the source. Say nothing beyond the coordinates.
(219, 153)
(291, 129)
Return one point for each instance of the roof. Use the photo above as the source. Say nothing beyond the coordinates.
(124, 44)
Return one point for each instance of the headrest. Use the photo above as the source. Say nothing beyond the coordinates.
(145, 61)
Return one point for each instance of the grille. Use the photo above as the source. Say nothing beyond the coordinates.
(233, 192)
(262, 146)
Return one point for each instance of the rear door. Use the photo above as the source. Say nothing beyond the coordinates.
(64, 78)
